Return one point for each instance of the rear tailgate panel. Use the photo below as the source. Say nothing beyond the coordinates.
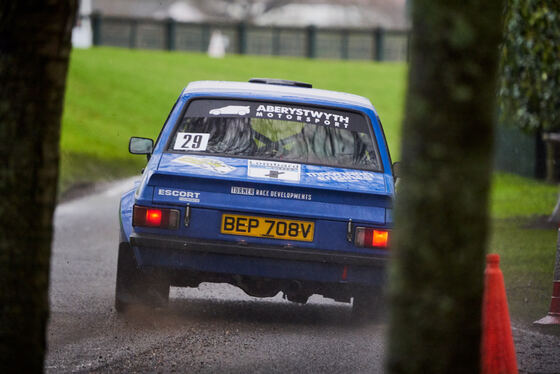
(328, 197)
(321, 192)
(189, 191)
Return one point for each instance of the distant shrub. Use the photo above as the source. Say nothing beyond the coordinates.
(529, 87)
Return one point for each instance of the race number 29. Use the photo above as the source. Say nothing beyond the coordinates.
(191, 141)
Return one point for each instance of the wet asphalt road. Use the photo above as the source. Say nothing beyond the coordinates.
(216, 328)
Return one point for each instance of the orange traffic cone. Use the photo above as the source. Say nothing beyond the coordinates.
(498, 352)
(553, 316)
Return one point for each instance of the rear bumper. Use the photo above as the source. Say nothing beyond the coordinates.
(228, 248)
(177, 253)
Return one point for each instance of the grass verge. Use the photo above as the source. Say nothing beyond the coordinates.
(527, 261)
(78, 170)
(526, 243)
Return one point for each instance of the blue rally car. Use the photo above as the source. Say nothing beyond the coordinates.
(271, 185)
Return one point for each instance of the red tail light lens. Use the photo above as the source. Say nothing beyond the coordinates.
(371, 238)
(155, 217)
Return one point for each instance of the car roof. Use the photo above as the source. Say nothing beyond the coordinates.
(277, 92)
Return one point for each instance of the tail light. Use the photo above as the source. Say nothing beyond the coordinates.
(155, 217)
(371, 238)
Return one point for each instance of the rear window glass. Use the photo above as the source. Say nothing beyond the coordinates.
(276, 131)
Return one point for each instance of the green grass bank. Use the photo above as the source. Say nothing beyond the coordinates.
(113, 94)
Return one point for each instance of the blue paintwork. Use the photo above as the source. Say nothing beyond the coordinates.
(312, 176)
(250, 266)
(332, 196)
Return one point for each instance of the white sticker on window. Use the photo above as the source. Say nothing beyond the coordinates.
(274, 170)
(207, 163)
(191, 141)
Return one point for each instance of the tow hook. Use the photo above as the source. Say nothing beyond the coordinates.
(187, 215)
(349, 231)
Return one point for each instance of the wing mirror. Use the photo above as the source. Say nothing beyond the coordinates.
(141, 146)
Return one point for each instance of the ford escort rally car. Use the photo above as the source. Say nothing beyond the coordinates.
(272, 186)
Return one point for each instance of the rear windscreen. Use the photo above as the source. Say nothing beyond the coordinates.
(276, 131)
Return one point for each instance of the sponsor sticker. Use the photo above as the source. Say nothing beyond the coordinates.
(243, 191)
(181, 195)
(319, 116)
(211, 164)
(240, 110)
(191, 141)
(274, 170)
(283, 112)
(270, 193)
(342, 176)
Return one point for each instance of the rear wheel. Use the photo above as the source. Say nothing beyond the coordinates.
(368, 304)
(135, 286)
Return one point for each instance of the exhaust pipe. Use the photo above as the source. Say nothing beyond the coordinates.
(296, 293)
(294, 286)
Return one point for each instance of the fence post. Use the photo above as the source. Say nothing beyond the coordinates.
(96, 28)
(204, 37)
(311, 41)
(275, 41)
(133, 32)
(379, 36)
(242, 38)
(170, 27)
(344, 44)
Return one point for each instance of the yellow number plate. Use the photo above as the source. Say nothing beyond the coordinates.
(265, 227)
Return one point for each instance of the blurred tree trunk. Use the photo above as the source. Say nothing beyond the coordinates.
(442, 213)
(34, 51)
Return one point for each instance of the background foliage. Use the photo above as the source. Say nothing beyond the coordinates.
(530, 69)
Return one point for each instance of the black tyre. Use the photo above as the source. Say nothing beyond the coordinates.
(368, 304)
(135, 286)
